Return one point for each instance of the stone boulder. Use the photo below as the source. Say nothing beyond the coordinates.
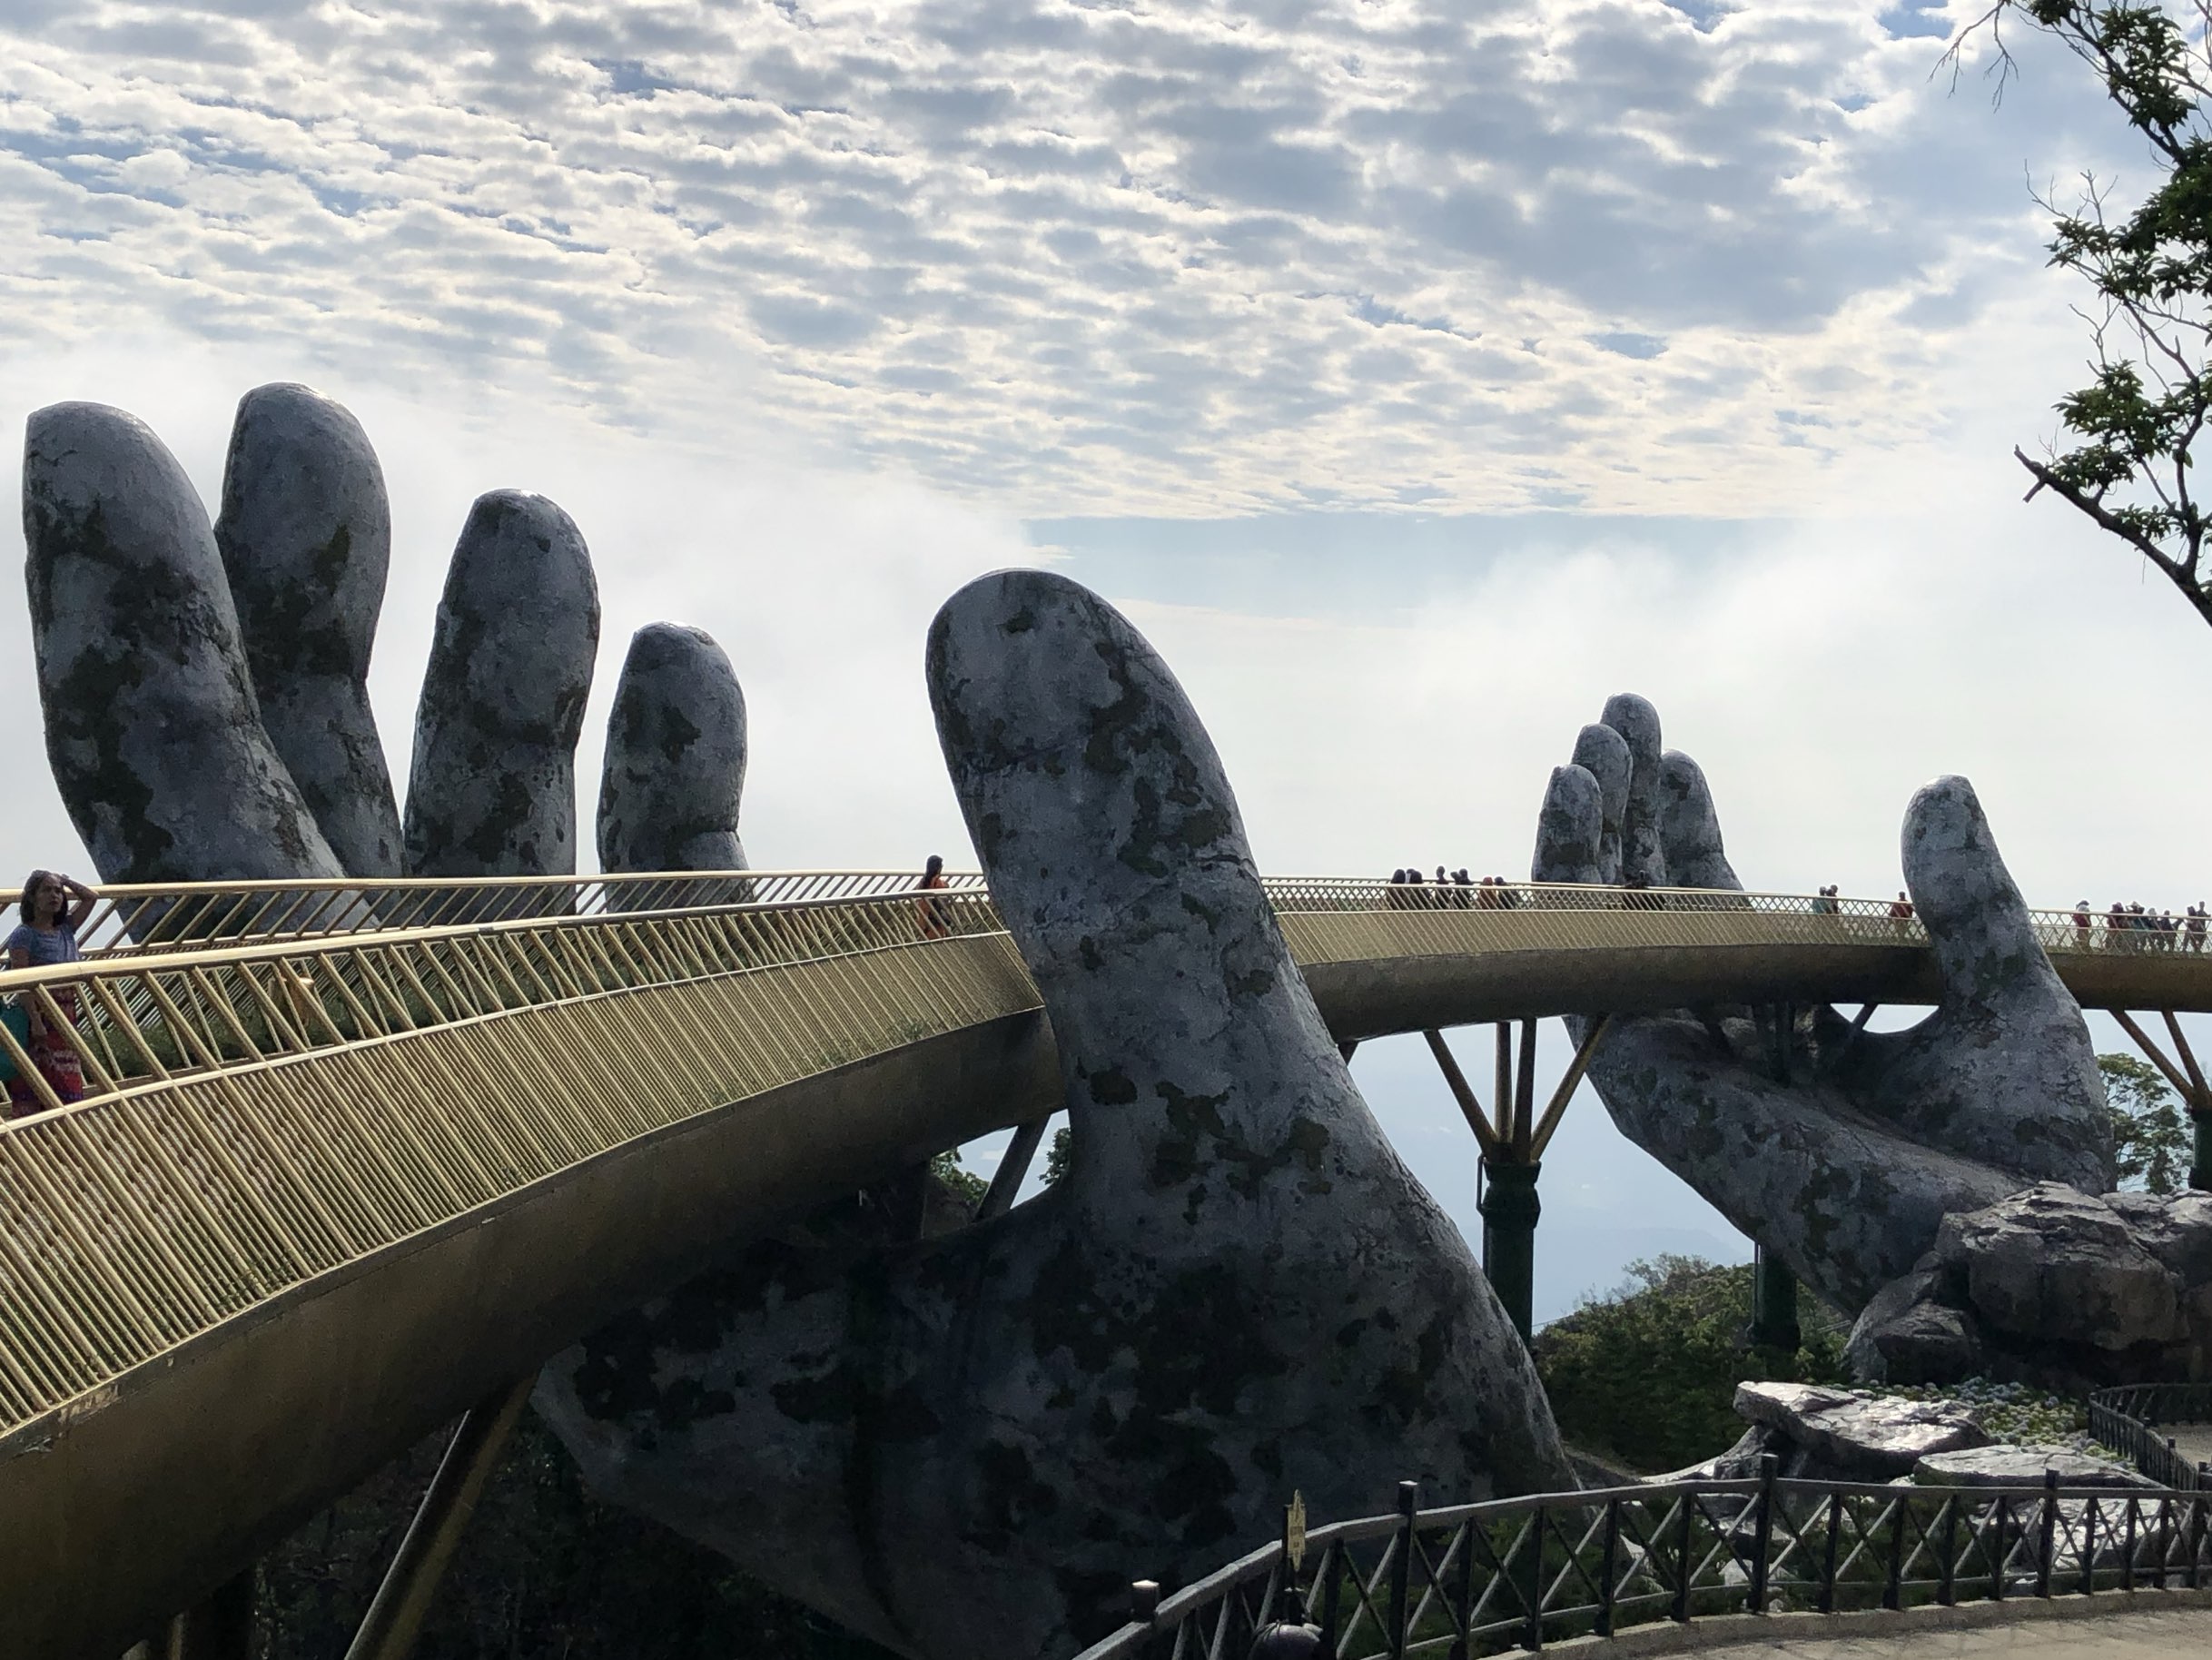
(2053, 1287)
(2008, 1464)
(1850, 1435)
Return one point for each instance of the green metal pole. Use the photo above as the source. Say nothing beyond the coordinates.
(1773, 1305)
(1509, 1212)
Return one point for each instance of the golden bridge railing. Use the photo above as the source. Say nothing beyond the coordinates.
(260, 1115)
(182, 916)
(171, 918)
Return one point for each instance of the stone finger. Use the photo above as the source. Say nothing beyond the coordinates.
(1643, 853)
(492, 790)
(676, 752)
(305, 535)
(1689, 829)
(153, 728)
(1603, 752)
(1570, 829)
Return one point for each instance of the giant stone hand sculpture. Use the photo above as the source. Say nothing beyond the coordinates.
(1845, 1171)
(963, 1447)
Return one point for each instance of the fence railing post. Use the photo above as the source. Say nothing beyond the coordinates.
(1682, 1568)
(1608, 1567)
(1531, 1629)
(2002, 1516)
(1332, 1593)
(1401, 1565)
(1763, 1536)
(2088, 1547)
(2197, 1503)
(1947, 1548)
(2048, 1527)
(1893, 1569)
(1824, 1599)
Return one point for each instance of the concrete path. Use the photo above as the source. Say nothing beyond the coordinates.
(2193, 1441)
(2170, 1634)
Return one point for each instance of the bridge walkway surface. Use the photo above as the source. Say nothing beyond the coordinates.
(356, 1155)
(2096, 1633)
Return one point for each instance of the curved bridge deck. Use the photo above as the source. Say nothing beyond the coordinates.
(331, 1185)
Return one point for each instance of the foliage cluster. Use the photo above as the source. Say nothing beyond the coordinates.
(2137, 424)
(2009, 1411)
(1647, 1376)
(2151, 1139)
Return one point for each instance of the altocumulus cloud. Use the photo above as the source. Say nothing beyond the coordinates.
(1131, 258)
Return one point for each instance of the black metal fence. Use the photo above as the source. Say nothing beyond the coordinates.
(2133, 1420)
(1519, 1573)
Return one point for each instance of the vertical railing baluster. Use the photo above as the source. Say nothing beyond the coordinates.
(1466, 1583)
(2050, 1529)
(2088, 1547)
(1997, 1562)
(1608, 1566)
(1824, 1599)
(1401, 1565)
(1893, 1573)
(1681, 1564)
(1947, 1583)
(1532, 1630)
(2165, 1542)
(1762, 1531)
(2198, 1501)
(1332, 1590)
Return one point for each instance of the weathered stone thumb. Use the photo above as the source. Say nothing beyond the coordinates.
(2004, 1070)
(305, 534)
(492, 792)
(153, 728)
(676, 753)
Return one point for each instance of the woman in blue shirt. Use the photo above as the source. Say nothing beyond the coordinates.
(55, 908)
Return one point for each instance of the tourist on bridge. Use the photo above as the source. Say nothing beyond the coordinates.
(2082, 920)
(1824, 902)
(935, 924)
(2195, 926)
(1901, 912)
(55, 908)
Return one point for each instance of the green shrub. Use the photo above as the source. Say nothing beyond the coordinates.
(1647, 1376)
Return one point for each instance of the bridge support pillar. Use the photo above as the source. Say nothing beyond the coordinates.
(1773, 1305)
(1509, 1211)
(394, 1620)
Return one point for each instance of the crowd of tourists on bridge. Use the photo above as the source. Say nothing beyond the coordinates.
(2130, 927)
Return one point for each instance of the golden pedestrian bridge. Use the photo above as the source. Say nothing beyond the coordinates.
(354, 1156)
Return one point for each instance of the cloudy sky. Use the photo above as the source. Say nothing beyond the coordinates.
(1415, 372)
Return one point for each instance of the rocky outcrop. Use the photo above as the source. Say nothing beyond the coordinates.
(1846, 1171)
(1849, 1435)
(305, 534)
(153, 726)
(2052, 1287)
(964, 1448)
(2007, 1464)
(676, 751)
(493, 787)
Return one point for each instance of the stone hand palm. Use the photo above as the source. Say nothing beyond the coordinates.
(964, 1445)
(1845, 1171)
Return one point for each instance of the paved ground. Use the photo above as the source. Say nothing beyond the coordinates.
(2167, 1634)
(2194, 1442)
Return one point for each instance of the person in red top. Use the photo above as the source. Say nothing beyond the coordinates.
(935, 924)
